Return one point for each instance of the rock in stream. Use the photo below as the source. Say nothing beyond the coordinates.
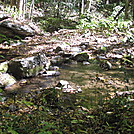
(27, 67)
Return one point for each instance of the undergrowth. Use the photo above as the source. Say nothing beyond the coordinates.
(50, 111)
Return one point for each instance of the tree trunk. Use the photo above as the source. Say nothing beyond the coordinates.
(13, 2)
(82, 7)
(133, 9)
(126, 9)
(31, 9)
(20, 8)
(89, 8)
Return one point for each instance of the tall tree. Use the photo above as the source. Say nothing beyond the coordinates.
(31, 9)
(126, 9)
(82, 6)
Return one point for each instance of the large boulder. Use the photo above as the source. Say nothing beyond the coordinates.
(11, 28)
(27, 67)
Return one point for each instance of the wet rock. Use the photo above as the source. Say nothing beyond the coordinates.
(63, 83)
(58, 49)
(4, 67)
(16, 87)
(84, 45)
(11, 28)
(86, 63)
(81, 57)
(51, 73)
(6, 80)
(48, 64)
(54, 68)
(68, 55)
(67, 88)
(56, 60)
(27, 67)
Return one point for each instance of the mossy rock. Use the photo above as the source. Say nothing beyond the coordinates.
(4, 67)
(27, 67)
(6, 80)
(81, 57)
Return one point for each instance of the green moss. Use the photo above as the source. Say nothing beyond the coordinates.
(33, 71)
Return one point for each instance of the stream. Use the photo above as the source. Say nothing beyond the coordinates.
(94, 88)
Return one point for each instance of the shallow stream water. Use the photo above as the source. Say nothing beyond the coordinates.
(85, 76)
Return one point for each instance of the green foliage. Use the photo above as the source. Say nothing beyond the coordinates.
(108, 24)
(12, 10)
(50, 111)
(3, 38)
(104, 21)
(54, 24)
(8, 41)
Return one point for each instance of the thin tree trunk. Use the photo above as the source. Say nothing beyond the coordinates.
(82, 7)
(133, 9)
(31, 9)
(21, 3)
(126, 9)
(89, 9)
(13, 2)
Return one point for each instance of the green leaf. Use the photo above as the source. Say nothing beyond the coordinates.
(74, 121)
(28, 103)
(103, 48)
(11, 131)
(90, 116)
(18, 37)
(1, 56)
(1, 90)
(2, 35)
(47, 132)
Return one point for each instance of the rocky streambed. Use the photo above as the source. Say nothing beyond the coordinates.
(43, 61)
(93, 82)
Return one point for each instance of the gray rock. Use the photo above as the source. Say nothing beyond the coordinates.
(67, 88)
(6, 80)
(11, 29)
(56, 60)
(54, 68)
(86, 63)
(4, 67)
(51, 73)
(27, 67)
(58, 49)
